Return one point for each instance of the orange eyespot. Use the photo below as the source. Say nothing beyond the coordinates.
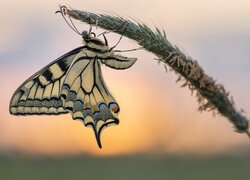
(114, 107)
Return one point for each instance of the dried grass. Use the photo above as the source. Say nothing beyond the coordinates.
(211, 96)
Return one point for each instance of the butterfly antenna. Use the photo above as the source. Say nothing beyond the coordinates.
(62, 11)
(90, 29)
(96, 23)
(105, 32)
(74, 26)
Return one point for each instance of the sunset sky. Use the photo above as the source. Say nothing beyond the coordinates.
(157, 116)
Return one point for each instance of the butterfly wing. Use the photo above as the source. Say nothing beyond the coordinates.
(117, 61)
(40, 94)
(72, 83)
(85, 95)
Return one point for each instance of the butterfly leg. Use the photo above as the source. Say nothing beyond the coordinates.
(119, 39)
(105, 39)
(90, 29)
(128, 50)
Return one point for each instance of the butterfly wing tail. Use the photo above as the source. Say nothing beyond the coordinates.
(85, 95)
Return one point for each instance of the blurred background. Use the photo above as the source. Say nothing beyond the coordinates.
(161, 134)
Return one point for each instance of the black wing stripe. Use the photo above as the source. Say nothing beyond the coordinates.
(55, 90)
(47, 91)
(62, 65)
(75, 71)
(98, 95)
(40, 93)
(87, 77)
(48, 75)
(32, 91)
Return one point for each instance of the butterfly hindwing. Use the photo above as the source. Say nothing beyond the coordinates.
(118, 62)
(40, 94)
(85, 95)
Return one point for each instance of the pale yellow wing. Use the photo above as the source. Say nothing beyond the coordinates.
(117, 61)
(40, 94)
(85, 95)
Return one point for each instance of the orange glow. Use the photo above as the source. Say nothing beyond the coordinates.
(156, 116)
(148, 123)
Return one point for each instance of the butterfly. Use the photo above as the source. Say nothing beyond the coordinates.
(74, 84)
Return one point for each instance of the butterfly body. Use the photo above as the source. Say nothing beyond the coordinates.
(73, 83)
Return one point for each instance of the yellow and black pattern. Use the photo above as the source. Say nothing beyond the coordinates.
(74, 84)
(40, 94)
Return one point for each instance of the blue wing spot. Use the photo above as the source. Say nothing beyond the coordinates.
(102, 106)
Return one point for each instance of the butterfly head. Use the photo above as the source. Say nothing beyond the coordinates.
(90, 40)
(85, 36)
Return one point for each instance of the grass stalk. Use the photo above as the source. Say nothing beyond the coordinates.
(211, 95)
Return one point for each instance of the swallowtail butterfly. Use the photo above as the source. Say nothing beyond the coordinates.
(73, 83)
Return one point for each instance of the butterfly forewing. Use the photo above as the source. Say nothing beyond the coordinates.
(40, 94)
